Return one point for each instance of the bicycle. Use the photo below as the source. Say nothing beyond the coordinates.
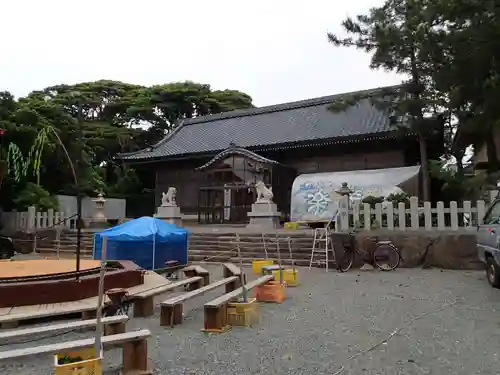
(386, 256)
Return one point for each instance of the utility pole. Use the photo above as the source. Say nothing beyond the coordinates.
(79, 221)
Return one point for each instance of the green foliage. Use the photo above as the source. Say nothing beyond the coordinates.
(448, 53)
(34, 195)
(372, 200)
(455, 186)
(397, 198)
(42, 140)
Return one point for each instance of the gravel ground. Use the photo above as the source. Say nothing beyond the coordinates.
(328, 319)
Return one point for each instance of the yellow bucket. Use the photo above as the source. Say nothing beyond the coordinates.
(290, 276)
(89, 365)
(292, 225)
(258, 264)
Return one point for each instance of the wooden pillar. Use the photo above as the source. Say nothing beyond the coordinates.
(115, 328)
(233, 285)
(9, 325)
(135, 357)
(171, 315)
(90, 314)
(216, 319)
(206, 278)
(144, 307)
(230, 270)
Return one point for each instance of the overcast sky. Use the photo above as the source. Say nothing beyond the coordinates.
(274, 50)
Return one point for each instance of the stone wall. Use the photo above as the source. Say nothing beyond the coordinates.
(450, 250)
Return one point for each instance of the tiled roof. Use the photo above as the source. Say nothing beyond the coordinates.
(304, 121)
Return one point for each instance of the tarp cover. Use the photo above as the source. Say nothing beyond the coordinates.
(148, 242)
(314, 197)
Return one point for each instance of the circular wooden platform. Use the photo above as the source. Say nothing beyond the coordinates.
(43, 267)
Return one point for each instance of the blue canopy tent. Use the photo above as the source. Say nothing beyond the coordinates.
(148, 242)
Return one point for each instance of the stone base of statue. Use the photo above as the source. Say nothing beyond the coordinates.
(264, 215)
(96, 223)
(170, 214)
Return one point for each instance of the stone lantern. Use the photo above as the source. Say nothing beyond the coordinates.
(344, 190)
(99, 219)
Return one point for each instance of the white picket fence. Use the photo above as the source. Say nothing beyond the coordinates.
(414, 217)
(31, 220)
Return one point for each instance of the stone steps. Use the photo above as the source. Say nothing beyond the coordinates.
(214, 247)
(63, 253)
(222, 247)
(67, 245)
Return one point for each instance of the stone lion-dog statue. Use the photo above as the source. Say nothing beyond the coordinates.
(168, 199)
(264, 194)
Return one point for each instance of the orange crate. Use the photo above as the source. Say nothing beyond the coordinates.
(273, 291)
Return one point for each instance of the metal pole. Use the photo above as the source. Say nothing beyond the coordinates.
(79, 193)
(100, 298)
(279, 258)
(244, 292)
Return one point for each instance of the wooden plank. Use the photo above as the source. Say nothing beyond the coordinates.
(165, 288)
(440, 215)
(414, 222)
(198, 269)
(367, 215)
(428, 215)
(184, 297)
(33, 314)
(234, 270)
(118, 339)
(18, 333)
(401, 216)
(453, 215)
(235, 293)
(5, 310)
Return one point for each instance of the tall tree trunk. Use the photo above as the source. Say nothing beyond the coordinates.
(418, 116)
(491, 151)
(424, 162)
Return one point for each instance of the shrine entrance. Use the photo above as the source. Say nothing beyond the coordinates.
(228, 189)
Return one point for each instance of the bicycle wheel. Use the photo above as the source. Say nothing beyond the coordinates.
(386, 257)
(346, 261)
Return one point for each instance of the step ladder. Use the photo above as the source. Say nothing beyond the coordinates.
(322, 250)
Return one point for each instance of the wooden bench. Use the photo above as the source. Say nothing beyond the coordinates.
(11, 321)
(216, 310)
(112, 326)
(144, 302)
(135, 350)
(171, 267)
(229, 269)
(171, 309)
(194, 270)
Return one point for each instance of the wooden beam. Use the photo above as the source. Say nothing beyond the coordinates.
(216, 310)
(184, 297)
(144, 302)
(196, 270)
(171, 309)
(107, 341)
(71, 326)
(236, 293)
(229, 270)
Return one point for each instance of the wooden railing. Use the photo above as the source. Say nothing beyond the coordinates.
(32, 220)
(410, 216)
